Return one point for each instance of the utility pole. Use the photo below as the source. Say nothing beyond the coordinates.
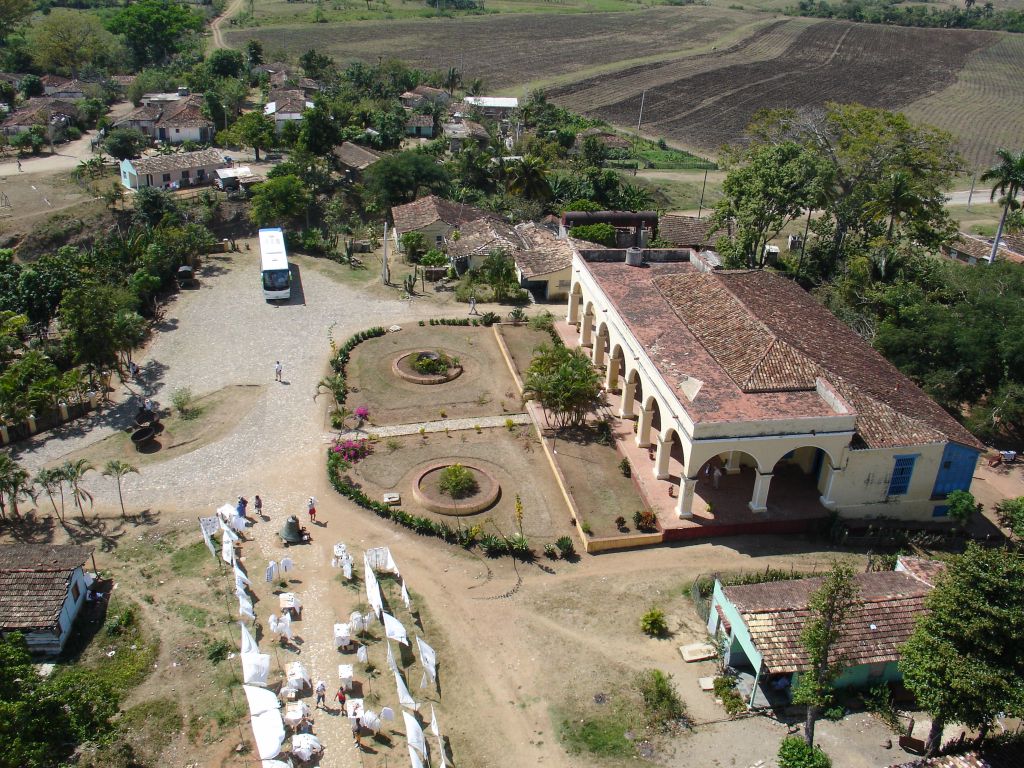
(640, 119)
(700, 207)
(970, 194)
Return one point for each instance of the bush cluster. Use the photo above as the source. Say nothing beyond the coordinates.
(458, 482)
(337, 383)
(654, 623)
(352, 450)
(463, 321)
(794, 752)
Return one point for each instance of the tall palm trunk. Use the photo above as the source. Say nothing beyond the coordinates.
(999, 233)
(120, 498)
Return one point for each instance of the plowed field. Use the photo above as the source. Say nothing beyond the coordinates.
(706, 101)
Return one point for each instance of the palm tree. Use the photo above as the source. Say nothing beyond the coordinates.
(73, 472)
(475, 87)
(1008, 180)
(14, 485)
(117, 470)
(52, 480)
(452, 80)
(529, 177)
(896, 199)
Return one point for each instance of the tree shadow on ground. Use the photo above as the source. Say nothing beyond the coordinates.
(81, 530)
(30, 528)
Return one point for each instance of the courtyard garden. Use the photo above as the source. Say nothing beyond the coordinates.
(428, 373)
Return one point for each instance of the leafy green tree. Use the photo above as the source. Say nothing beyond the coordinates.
(253, 52)
(31, 85)
(316, 65)
(154, 30)
(253, 129)
(225, 62)
(829, 607)
(963, 663)
(1011, 514)
(452, 80)
(14, 13)
(399, 178)
(565, 384)
(125, 143)
(413, 244)
(962, 506)
(319, 132)
(64, 40)
(1008, 180)
(89, 314)
(279, 200)
(499, 270)
(602, 234)
(118, 469)
(154, 206)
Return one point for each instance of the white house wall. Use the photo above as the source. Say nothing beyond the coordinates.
(861, 489)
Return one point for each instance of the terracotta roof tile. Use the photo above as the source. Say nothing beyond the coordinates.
(776, 612)
(483, 235)
(966, 760)
(975, 247)
(544, 252)
(355, 156)
(427, 210)
(686, 231)
(185, 113)
(419, 121)
(923, 569)
(34, 582)
(202, 158)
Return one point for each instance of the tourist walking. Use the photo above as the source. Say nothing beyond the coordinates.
(278, 371)
(311, 508)
(20, 169)
(241, 505)
(340, 696)
(321, 694)
(257, 504)
(472, 306)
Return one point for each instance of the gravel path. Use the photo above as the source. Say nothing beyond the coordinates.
(452, 425)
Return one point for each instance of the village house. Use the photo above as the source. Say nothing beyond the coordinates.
(143, 118)
(65, 88)
(463, 133)
(285, 107)
(975, 250)
(493, 107)
(353, 159)
(759, 625)
(476, 239)
(42, 589)
(183, 169)
(287, 80)
(422, 95)
(421, 126)
(41, 111)
(171, 117)
(744, 375)
(434, 217)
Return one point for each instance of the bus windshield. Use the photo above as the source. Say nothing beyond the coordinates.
(276, 279)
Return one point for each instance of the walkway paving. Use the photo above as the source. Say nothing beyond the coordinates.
(443, 425)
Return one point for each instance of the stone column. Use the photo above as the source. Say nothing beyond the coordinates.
(732, 463)
(661, 458)
(587, 330)
(684, 507)
(759, 501)
(611, 381)
(826, 498)
(628, 393)
(574, 308)
(598, 356)
(644, 427)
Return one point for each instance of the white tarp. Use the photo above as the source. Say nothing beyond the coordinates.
(405, 597)
(370, 720)
(245, 607)
(362, 655)
(414, 734)
(380, 559)
(225, 512)
(435, 728)
(393, 628)
(240, 576)
(373, 590)
(428, 659)
(404, 697)
(255, 668)
(267, 725)
(249, 644)
(414, 758)
(227, 551)
(305, 745)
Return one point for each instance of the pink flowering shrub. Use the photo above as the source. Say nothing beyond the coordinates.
(352, 450)
(362, 413)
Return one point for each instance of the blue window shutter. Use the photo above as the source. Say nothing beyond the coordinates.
(956, 470)
(902, 471)
(942, 511)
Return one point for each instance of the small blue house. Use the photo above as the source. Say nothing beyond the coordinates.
(760, 625)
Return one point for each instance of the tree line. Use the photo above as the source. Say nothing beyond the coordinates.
(971, 16)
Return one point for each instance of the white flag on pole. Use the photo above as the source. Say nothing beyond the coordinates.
(414, 734)
(428, 659)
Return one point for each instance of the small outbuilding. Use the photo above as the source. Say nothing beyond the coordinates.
(182, 169)
(421, 126)
(760, 626)
(42, 589)
(434, 217)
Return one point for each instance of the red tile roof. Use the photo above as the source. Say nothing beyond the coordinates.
(776, 612)
(428, 210)
(34, 581)
(966, 760)
(923, 569)
(185, 113)
(686, 231)
(354, 156)
(980, 249)
(419, 121)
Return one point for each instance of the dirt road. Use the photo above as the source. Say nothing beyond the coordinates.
(215, 26)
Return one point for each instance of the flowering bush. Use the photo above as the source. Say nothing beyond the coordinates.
(362, 413)
(352, 450)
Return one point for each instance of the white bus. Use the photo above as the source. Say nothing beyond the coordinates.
(277, 277)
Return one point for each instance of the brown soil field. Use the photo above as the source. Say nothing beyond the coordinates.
(510, 51)
(713, 97)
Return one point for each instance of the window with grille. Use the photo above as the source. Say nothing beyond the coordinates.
(902, 471)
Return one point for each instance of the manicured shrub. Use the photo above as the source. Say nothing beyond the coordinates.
(654, 623)
(795, 753)
(458, 482)
(565, 547)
